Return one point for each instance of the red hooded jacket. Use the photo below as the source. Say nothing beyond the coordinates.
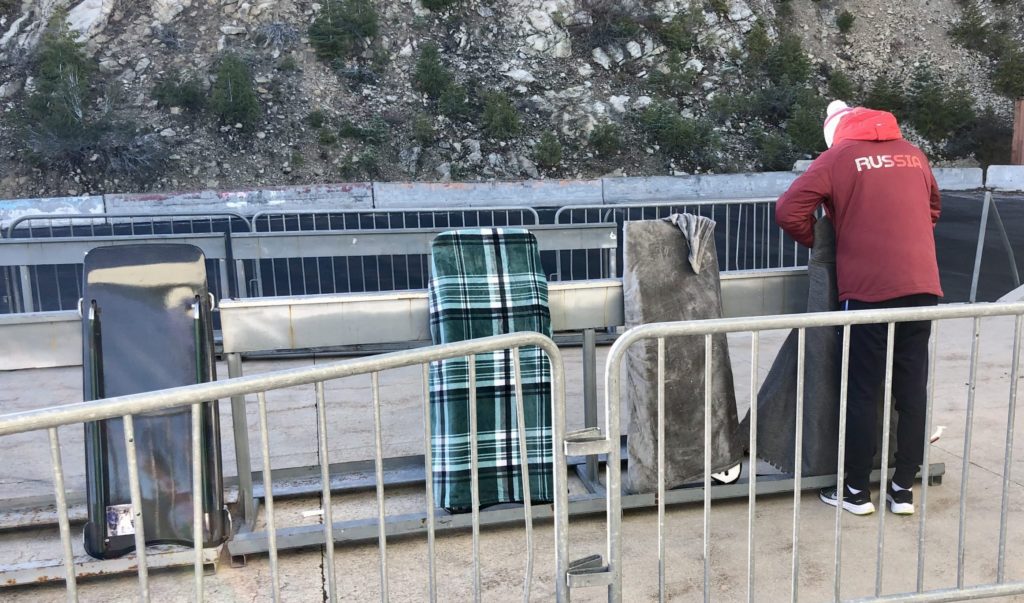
(882, 198)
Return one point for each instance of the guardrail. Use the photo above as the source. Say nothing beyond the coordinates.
(393, 219)
(746, 236)
(49, 270)
(125, 407)
(595, 443)
(109, 225)
(290, 263)
(603, 571)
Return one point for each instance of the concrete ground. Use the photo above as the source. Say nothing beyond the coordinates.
(25, 472)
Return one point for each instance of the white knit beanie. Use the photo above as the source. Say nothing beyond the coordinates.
(835, 112)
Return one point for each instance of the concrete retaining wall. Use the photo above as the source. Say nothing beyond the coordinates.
(404, 195)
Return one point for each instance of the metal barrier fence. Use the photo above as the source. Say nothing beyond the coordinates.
(46, 274)
(746, 235)
(413, 269)
(610, 575)
(112, 225)
(304, 263)
(56, 285)
(393, 219)
(280, 262)
(125, 407)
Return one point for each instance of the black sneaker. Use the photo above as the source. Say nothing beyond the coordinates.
(901, 502)
(858, 504)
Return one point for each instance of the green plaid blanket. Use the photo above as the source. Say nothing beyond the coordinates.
(488, 282)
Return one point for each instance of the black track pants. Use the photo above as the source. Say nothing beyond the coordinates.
(909, 390)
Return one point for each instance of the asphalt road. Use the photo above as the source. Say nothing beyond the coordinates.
(956, 240)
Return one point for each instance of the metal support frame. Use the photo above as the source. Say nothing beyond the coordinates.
(246, 513)
(157, 557)
(358, 476)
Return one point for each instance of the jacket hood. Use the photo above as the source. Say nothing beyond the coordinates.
(867, 124)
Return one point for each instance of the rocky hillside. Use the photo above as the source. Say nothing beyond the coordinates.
(131, 95)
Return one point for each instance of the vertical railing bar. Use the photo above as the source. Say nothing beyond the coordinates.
(428, 468)
(70, 579)
(755, 341)
(886, 422)
(969, 426)
(754, 231)
(268, 495)
(781, 245)
(798, 453)
(136, 497)
(197, 499)
(1008, 454)
(378, 465)
(661, 469)
(728, 226)
(524, 464)
(844, 382)
(325, 490)
(925, 468)
(334, 276)
(707, 467)
(474, 476)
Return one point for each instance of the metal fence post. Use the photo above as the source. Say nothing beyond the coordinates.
(243, 458)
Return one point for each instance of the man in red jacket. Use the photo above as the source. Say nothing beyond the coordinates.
(881, 196)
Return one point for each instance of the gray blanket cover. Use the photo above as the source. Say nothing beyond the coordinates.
(776, 400)
(659, 284)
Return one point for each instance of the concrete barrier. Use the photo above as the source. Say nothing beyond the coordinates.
(709, 186)
(1008, 178)
(13, 209)
(529, 193)
(247, 202)
(959, 179)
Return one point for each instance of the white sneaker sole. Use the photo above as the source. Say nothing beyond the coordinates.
(899, 508)
(863, 509)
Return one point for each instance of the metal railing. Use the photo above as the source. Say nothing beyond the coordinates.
(112, 225)
(746, 235)
(318, 262)
(48, 283)
(124, 407)
(392, 219)
(611, 575)
(47, 272)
